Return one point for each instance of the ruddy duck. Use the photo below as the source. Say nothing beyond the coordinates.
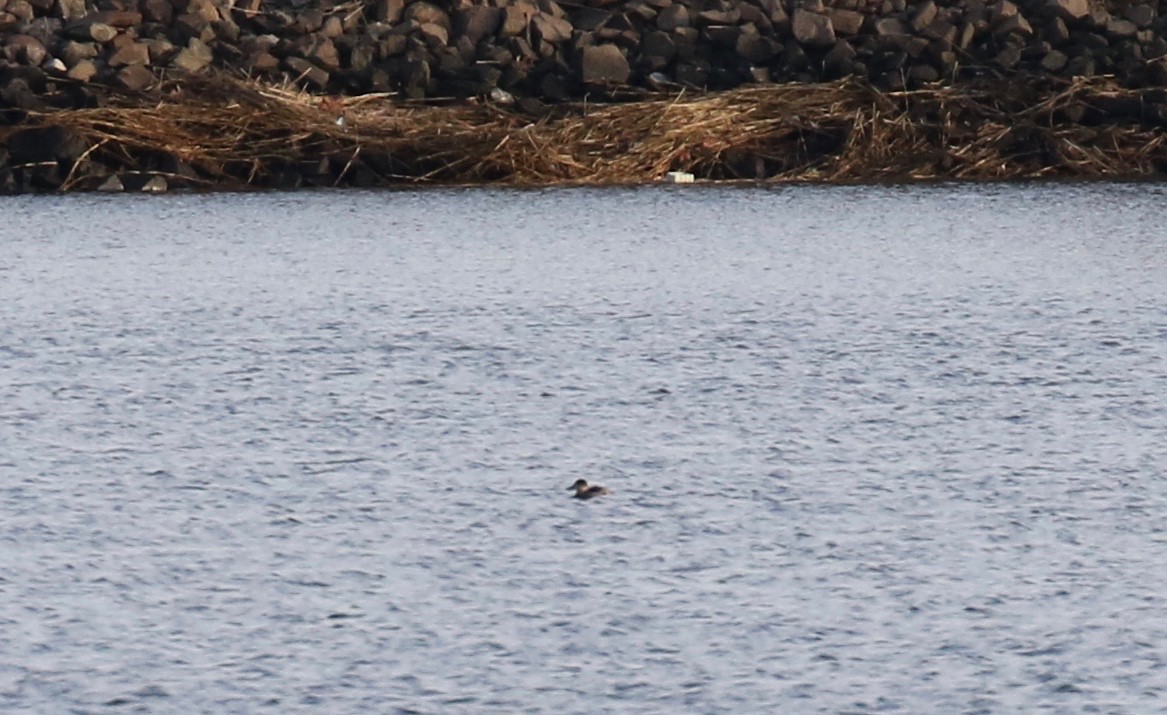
(583, 491)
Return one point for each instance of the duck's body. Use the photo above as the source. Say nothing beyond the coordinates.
(585, 491)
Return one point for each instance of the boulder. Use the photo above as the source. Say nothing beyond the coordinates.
(846, 22)
(44, 144)
(812, 29)
(131, 53)
(304, 71)
(550, 28)
(604, 64)
(69, 10)
(1069, 9)
(672, 17)
(195, 57)
(86, 30)
(24, 50)
(136, 78)
(82, 71)
(477, 21)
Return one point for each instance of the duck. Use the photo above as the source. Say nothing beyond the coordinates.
(585, 491)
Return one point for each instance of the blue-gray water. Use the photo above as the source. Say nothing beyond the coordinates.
(872, 450)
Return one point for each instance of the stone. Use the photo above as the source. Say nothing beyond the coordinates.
(812, 29)
(1014, 24)
(922, 74)
(846, 22)
(194, 57)
(1141, 15)
(1054, 61)
(132, 53)
(424, 12)
(477, 21)
(44, 144)
(304, 71)
(160, 11)
(722, 34)
(755, 48)
(162, 50)
(657, 50)
(261, 62)
(113, 184)
(389, 11)
(332, 28)
(604, 64)
(136, 78)
(588, 19)
(69, 10)
(24, 50)
(323, 53)
(433, 35)
(889, 27)
(117, 18)
(515, 18)
(549, 28)
(925, 15)
(154, 185)
(672, 17)
(840, 60)
(1118, 29)
(727, 15)
(89, 30)
(22, 10)
(82, 71)
(1069, 9)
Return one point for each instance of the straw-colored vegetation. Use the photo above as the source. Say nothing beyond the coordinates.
(234, 131)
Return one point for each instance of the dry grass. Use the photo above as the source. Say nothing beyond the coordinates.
(237, 131)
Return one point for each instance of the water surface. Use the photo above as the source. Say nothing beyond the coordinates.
(873, 450)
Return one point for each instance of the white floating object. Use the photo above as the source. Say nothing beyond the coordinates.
(501, 96)
(679, 177)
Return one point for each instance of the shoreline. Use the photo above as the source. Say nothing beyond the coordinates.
(215, 132)
(156, 95)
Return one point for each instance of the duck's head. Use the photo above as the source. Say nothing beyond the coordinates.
(580, 484)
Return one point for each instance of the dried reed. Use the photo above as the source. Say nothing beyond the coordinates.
(232, 130)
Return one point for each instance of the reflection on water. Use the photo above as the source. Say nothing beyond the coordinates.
(872, 450)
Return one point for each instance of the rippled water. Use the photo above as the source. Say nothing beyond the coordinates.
(872, 450)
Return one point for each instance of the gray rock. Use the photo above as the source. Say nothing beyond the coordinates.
(88, 30)
(604, 64)
(812, 29)
(136, 78)
(549, 28)
(130, 53)
(477, 21)
(24, 50)
(1069, 9)
(155, 185)
(657, 50)
(69, 10)
(112, 185)
(846, 22)
(194, 57)
(515, 18)
(424, 12)
(82, 71)
(924, 16)
(304, 71)
(672, 17)
(1054, 61)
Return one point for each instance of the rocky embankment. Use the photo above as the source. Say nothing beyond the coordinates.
(67, 54)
